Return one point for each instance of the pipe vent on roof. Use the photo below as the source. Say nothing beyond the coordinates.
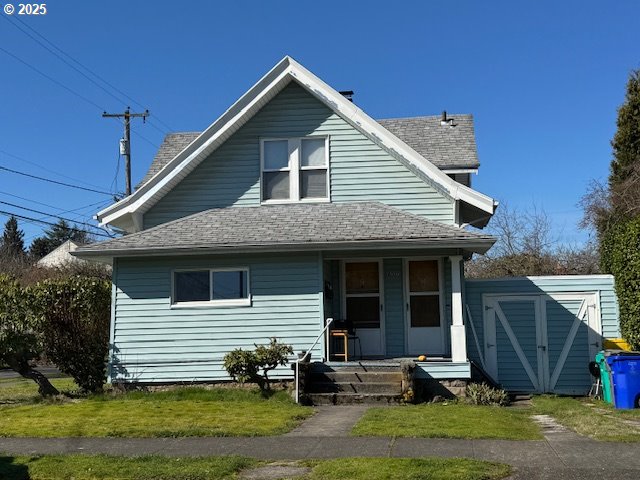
(445, 121)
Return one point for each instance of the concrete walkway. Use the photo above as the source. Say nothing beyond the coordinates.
(330, 421)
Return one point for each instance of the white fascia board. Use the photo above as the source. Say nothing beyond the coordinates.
(269, 85)
(451, 171)
(381, 136)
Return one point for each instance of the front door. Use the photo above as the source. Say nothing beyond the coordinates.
(363, 304)
(424, 312)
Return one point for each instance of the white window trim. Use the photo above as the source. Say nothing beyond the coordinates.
(294, 168)
(236, 302)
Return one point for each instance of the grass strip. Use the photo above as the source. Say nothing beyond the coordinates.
(452, 420)
(590, 417)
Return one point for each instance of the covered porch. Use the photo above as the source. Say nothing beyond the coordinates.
(390, 306)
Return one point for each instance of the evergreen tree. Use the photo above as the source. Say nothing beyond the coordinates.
(56, 236)
(12, 239)
(626, 142)
(619, 225)
(39, 247)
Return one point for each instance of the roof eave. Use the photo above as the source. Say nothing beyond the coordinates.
(479, 245)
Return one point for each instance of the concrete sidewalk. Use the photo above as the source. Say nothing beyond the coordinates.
(581, 458)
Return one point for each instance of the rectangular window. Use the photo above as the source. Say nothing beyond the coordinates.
(295, 169)
(223, 287)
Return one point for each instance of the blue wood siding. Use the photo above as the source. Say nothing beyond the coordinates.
(153, 342)
(574, 377)
(560, 314)
(394, 307)
(360, 170)
(522, 320)
(603, 284)
(443, 370)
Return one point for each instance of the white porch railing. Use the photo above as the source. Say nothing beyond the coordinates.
(308, 352)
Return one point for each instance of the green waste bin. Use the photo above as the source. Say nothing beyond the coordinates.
(605, 375)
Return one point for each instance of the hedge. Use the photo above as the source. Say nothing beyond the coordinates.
(620, 256)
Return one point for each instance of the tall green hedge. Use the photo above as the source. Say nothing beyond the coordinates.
(73, 316)
(620, 256)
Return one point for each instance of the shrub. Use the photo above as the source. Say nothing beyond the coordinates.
(73, 316)
(620, 252)
(483, 394)
(245, 366)
(20, 342)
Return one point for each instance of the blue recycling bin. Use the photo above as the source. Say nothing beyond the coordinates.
(625, 379)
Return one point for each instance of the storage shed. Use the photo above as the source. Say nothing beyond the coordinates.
(538, 334)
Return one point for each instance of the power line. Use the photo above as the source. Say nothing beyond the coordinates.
(22, 159)
(52, 215)
(54, 181)
(87, 69)
(44, 222)
(35, 69)
(101, 202)
(70, 90)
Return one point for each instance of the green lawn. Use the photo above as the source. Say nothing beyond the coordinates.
(176, 413)
(408, 468)
(452, 420)
(96, 467)
(21, 390)
(593, 418)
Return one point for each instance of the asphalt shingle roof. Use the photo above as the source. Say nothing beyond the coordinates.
(445, 146)
(293, 225)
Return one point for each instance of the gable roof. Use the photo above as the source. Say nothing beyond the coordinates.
(127, 213)
(446, 147)
(311, 226)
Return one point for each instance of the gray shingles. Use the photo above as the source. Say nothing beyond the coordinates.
(445, 146)
(302, 225)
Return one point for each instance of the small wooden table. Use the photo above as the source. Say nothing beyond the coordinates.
(345, 338)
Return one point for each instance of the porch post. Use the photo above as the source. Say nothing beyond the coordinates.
(458, 335)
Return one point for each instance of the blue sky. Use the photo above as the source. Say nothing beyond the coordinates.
(543, 79)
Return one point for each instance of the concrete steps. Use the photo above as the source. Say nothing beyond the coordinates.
(354, 383)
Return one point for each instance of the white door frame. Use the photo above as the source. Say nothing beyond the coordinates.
(407, 295)
(343, 289)
(544, 381)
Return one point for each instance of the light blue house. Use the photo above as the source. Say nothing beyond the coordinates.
(293, 207)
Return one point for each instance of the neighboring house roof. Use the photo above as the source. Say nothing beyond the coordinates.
(447, 147)
(127, 213)
(60, 256)
(325, 226)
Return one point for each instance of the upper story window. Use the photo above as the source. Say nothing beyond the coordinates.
(295, 169)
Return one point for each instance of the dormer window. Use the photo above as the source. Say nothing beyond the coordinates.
(295, 169)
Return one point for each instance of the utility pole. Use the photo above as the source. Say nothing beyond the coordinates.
(125, 143)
